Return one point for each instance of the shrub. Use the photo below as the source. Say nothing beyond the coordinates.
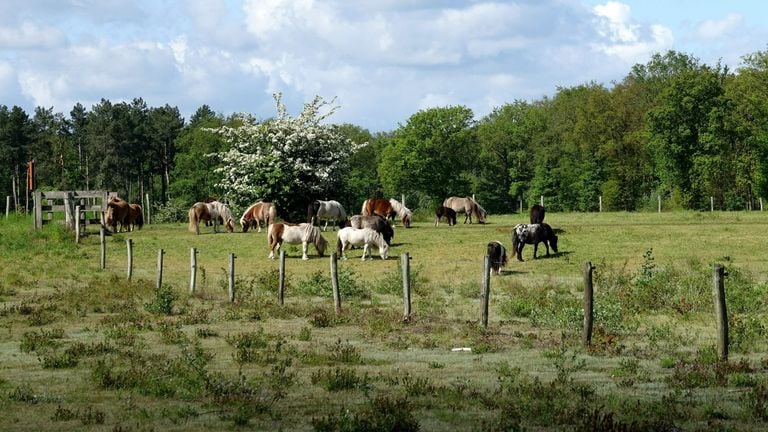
(319, 284)
(162, 302)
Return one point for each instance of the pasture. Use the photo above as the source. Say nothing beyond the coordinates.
(83, 348)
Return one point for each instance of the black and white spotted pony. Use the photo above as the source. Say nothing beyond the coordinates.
(534, 234)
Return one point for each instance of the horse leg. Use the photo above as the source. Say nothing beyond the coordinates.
(546, 244)
(366, 250)
(304, 251)
(535, 248)
(520, 251)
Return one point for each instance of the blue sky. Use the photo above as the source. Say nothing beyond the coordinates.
(383, 60)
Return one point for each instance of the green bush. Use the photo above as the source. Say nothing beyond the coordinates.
(162, 302)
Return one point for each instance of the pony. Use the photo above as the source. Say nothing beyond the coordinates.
(468, 206)
(211, 211)
(387, 208)
(304, 233)
(118, 211)
(532, 234)
(537, 214)
(376, 222)
(447, 213)
(361, 237)
(326, 210)
(498, 254)
(135, 216)
(256, 214)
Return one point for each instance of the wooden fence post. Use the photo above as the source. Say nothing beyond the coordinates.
(659, 198)
(77, 224)
(129, 247)
(103, 243)
(159, 283)
(406, 264)
(335, 283)
(586, 334)
(761, 204)
(721, 312)
(281, 280)
(192, 270)
(541, 200)
(711, 204)
(600, 203)
(148, 207)
(7, 206)
(486, 290)
(231, 285)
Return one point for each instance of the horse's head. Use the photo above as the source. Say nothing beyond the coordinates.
(245, 221)
(383, 246)
(553, 241)
(321, 244)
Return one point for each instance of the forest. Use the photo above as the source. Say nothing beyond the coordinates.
(673, 128)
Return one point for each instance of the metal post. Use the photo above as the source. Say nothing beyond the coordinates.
(335, 283)
(231, 290)
(281, 280)
(486, 290)
(721, 312)
(406, 264)
(192, 270)
(103, 242)
(160, 253)
(129, 247)
(586, 335)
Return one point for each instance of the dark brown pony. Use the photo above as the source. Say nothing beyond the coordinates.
(534, 234)
(498, 254)
(388, 208)
(258, 213)
(447, 213)
(537, 214)
(118, 211)
(375, 222)
(135, 216)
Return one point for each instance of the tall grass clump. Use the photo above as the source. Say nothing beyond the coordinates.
(319, 284)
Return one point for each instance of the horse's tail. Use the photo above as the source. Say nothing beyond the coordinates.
(192, 219)
(274, 234)
(271, 214)
(515, 242)
(139, 221)
(364, 209)
(338, 246)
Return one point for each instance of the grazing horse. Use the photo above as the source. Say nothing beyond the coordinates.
(468, 206)
(375, 222)
(211, 211)
(387, 208)
(498, 254)
(364, 237)
(326, 210)
(256, 214)
(118, 211)
(532, 234)
(537, 214)
(135, 216)
(447, 213)
(304, 233)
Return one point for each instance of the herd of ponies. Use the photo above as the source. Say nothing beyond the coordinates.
(373, 227)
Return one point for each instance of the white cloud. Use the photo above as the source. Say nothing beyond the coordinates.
(626, 39)
(30, 35)
(716, 29)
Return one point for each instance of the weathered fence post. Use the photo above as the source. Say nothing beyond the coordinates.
(711, 204)
(659, 198)
(406, 264)
(159, 283)
(721, 312)
(486, 290)
(281, 280)
(335, 283)
(402, 199)
(231, 289)
(192, 270)
(148, 207)
(520, 202)
(586, 334)
(7, 206)
(541, 200)
(77, 224)
(69, 209)
(600, 203)
(103, 243)
(761, 204)
(129, 247)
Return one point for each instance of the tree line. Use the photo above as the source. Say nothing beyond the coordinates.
(673, 127)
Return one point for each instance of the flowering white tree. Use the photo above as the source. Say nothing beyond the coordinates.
(288, 160)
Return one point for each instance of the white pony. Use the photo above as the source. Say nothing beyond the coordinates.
(403, 212)
(361, 237)
(320, 210)
(304, 233)
(214, 212)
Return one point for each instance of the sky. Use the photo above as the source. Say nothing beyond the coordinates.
(380, 61)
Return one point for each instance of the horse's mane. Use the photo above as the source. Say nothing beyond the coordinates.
(247, 214)
(401, 210)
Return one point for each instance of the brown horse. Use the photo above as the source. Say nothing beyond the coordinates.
(135, 216)
(468, 206)
(447, 213)
(537, 214)
(213, 211)
(388, 209)
(118, 210)
(256, 214)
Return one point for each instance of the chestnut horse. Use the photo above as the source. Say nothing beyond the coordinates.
(118, 211)
(211, 211)
(305, 233)
(256, 214)
(468, 206)
(388, 209)
(135, 216)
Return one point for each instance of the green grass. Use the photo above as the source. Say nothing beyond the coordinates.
(80, 347)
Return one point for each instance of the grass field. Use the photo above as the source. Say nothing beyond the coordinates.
(82, 348)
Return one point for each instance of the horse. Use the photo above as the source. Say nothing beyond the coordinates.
(532, 234)
(326, 210)
(211, 211)
(537, 214)
(304, 233)
(498, 254)
(361, 237)
(387, 208)
(256, 214)
(447, 213)
(468, 206)
(118, 211)
(135, 216)
(375, 222)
